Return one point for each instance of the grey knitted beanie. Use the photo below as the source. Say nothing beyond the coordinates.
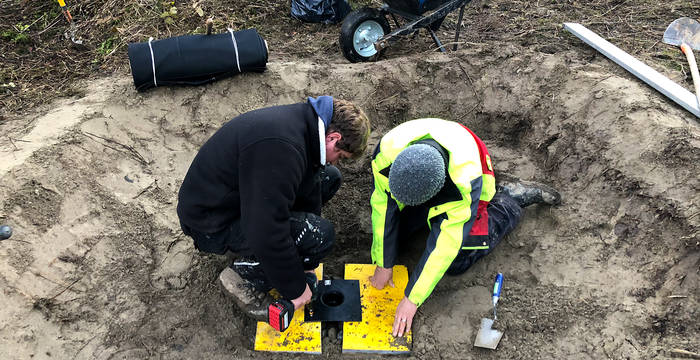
(417, 174)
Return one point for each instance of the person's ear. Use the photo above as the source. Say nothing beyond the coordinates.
(334, 137)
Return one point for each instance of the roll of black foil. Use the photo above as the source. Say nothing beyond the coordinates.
(196, 59)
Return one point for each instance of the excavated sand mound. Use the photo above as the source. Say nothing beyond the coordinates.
(98, 268)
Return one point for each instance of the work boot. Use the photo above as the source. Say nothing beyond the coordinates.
(250, 300)
(526, 193)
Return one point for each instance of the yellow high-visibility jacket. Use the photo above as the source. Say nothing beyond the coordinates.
(457, 218)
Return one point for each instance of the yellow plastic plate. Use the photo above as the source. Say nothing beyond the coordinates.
(300, 337)
(373, 333)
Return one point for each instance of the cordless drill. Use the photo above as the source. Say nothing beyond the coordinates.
(280, 312)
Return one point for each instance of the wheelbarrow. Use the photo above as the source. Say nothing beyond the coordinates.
(366, 32)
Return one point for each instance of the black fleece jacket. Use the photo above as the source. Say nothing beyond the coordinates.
(259, 166)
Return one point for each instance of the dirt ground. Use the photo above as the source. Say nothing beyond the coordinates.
(98, 268)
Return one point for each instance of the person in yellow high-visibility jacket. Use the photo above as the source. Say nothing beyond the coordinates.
(437, 174)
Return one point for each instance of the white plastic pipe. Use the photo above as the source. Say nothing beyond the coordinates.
(675, 92)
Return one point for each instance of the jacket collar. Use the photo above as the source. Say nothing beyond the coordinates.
(322, 140)
(323, 106)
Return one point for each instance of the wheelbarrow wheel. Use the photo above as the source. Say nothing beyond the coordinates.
(361, 28)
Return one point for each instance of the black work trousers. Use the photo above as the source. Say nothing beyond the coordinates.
(313, 235)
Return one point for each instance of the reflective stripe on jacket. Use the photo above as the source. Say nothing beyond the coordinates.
(457, 222)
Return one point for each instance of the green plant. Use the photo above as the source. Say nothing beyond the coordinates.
(169, 13)
(107, 46)
(18, 34)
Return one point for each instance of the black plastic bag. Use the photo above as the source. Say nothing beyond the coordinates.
(320, 11)
(196, 59)
(415, 7)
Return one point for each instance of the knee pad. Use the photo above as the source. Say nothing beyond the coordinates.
(326, 234)
(310, 231)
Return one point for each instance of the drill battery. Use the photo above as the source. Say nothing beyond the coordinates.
(280, 312)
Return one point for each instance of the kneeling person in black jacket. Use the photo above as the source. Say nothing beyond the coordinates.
(256, 188)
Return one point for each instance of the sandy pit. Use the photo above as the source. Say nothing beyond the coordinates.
(99, 269)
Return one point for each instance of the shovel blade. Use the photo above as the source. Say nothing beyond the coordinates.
(487, 337)
(683, 30)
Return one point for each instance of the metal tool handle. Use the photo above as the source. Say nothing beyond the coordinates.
(65, 10)
(688, 51)
(497, 285)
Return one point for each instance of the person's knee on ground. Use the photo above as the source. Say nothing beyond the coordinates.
(464, 260)
(526, 193)
(313, 236)
(504, 215)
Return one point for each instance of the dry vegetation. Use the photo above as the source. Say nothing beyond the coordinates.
(39, 62)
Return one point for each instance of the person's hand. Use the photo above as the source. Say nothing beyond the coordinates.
(302, 300)
(381, 277)
(404, 317)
